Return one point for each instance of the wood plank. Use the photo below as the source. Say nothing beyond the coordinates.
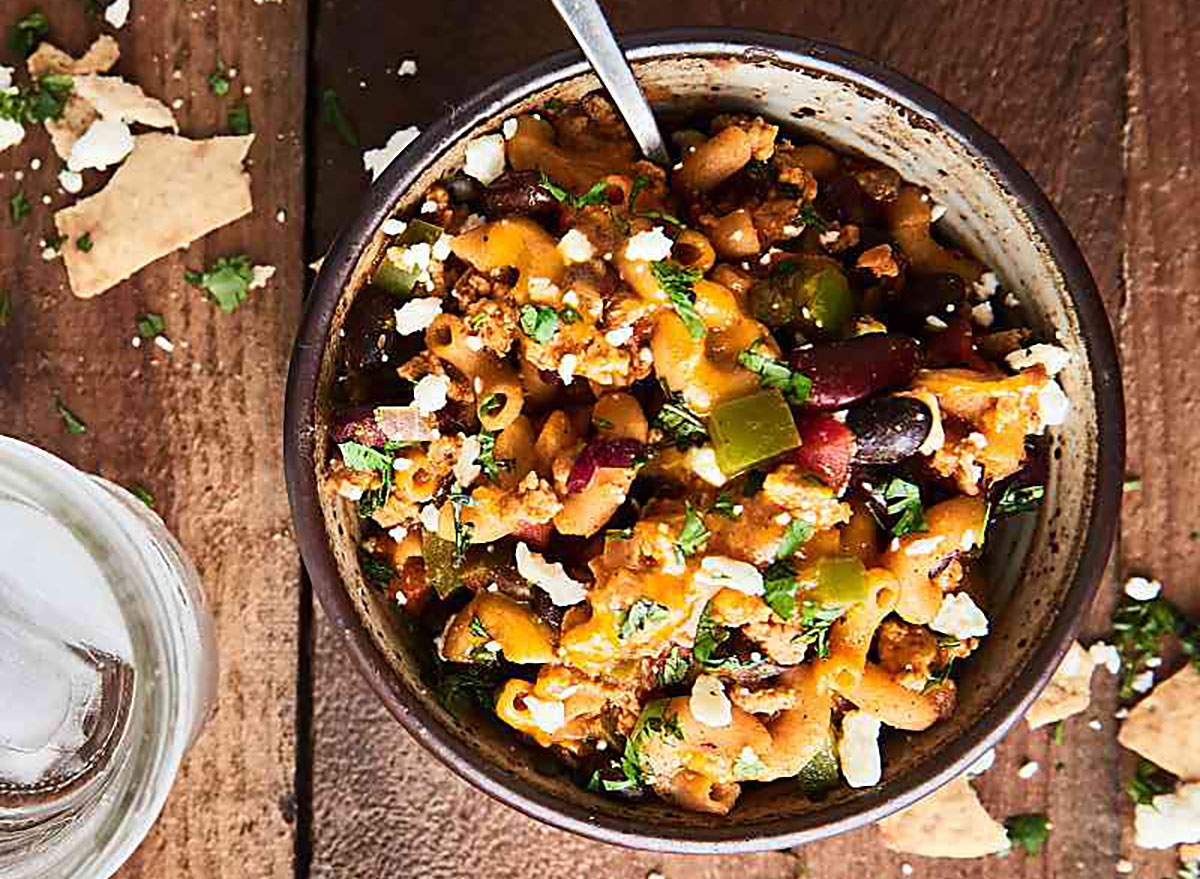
(1160, 316)
(199, 427)
(1047, 81)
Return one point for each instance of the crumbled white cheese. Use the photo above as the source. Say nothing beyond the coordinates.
(430, 517)
(702, 460)
(548, 715)
(1106, 655)
(1095, 725)
(566, 368)
(1011, 301)
(401, 598)
(923, 546)
(571, 298)
(986, 286)
(575, 246)
(984, 763)
(475, 343)
(982, 315)
(402, 464)
(960, 617)
(393, 227)
(416, 315)
(509, 129)
(70, 181)
(117, 13)
(1171, 819)
(935, 323)
(11, 133)
(485, 158)
(645, 355)
(350, 492)
(429, 206)
(1142, 589)
(376, 161)
(858, 749)
(718, 571)
(466, 468)
(473, 221)
(619, 336)
(650, 246)
(1028, 770)
(1142, 682)
(430, 393)
(106, 142)
(790, 231)
(563, 590)
(542, 289)
(6, 78)
(1124, 866)
(708, 702)
(977, 439)
(164, 344)
(408, 67)
(937, 212)
(398, 533)
(830, 238)
(1052, 358)
(1053, 404)
(260, 275)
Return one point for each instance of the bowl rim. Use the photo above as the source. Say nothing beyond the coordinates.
(985, 731)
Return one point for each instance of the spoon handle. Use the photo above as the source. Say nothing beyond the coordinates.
(590, 28)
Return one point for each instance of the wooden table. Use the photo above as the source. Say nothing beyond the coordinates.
(301, 772)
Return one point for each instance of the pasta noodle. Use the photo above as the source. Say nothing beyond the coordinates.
(499, 395)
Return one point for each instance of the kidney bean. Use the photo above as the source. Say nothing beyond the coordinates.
(827, 447)
(926, 296)
(463, 188)
(954, 346)
(518, 192)
(888, 429)
(845, 372)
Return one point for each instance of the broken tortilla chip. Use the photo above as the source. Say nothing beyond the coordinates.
(1165, 726)
(100, 58)
(949, 823)
(1069, 691)
(114, 98)
(169, 192)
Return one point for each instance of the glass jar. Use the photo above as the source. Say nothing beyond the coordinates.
(107, 667)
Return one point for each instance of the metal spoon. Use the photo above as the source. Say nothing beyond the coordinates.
(590, 28)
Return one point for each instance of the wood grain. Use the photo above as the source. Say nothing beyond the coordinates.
(199, 427)
(1048, 80)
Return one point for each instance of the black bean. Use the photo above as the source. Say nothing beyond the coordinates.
(936, 296)
(889, 429)
(518, 193)
(463, 189)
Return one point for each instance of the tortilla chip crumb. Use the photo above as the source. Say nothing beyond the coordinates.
(1069, 691)
(168, 193)
(1165, 726)
(949, 823)
(114, 98)
(1189, 852)
(100, 58)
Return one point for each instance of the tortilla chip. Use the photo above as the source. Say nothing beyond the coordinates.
(77, 118)
(949, 823)
(100, 58)
(169, 192)
(1069, 691)
(1165, 726)
(114, 98)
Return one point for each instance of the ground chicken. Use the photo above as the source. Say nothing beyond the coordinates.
(766, 700)
(791, 171)
(907, 652)
(879, 261)
(495, 322)
(428, 363)
(804, 497)
(777, 220)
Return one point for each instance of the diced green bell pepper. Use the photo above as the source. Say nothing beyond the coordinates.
(840, 579)
(388, 275)
(752, 429)
(481, 566)
(441, 567)
(821, 772)
(810, 294)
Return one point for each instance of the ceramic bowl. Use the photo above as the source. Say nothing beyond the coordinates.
(1043, 572)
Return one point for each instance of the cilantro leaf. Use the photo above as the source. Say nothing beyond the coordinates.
(227, 281)
(904, 499)
(492, 404)
(679, 283)
(797, 533)
(239, 118)
(72, 421)
(84, 242)
(375, 570)
(598, 194)
(772, 373)
(779, 589)
(1140, 628)
(218, 80)
(18, 206)
(809, 217)
(1020, 499)
(680, 423)
(693, 535)
(539, 322)
(675, 668)
(150, 325)
(331, 109)
(1149, 781)
(364, 458)
(638, 616)
(478, 629)
(462, 530)
(640, 182)
(725, 506)
(143, 494)
(42, 101)
(487, 456)
(1028, 831)
(25, 36)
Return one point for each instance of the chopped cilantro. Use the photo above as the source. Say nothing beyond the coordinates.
(602, 423)
(539, 322)
(5, 308)
(472, 684)
(772, 373)
(72, 421)
(478, 629)
(55, 241)
(674, 669)
(642, 613)
(1028, 831)
(797, 533)
(709, 636)
(364, 458)
(681, 424)
(150, 325)
(1140, 628)
(904, 500)
(661, 215)
(678, 283)
(477, 321)
(1149, 781)
(25, 36)
(1132, 483)
(218, 81)
(598, 194)
(1020, 499)
(1060, 732)
(780, 586)
(142, 493)
(809, 217)
(227, 281)
(815, 619)
(375, 570)
(492, 404)
(487, 456)
(462, 530)
(725, 506)
(19, 206)
(84, 242)
(640, 182)
(693, 535)
(331, 108)
(239, 118)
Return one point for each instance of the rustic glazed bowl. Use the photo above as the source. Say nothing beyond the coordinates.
(1043, 571)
